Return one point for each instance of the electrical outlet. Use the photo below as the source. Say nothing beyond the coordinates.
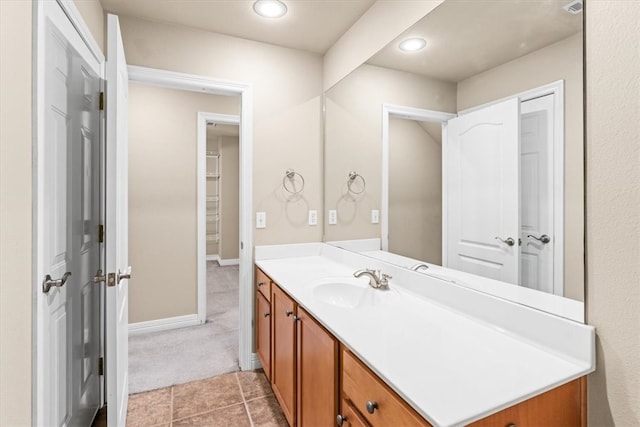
(375, 216)
(333, 217)
(313, 217)
(261, 220)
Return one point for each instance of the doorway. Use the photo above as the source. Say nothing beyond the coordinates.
(173, 167)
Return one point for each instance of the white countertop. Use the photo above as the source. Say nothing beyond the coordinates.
(454, 354)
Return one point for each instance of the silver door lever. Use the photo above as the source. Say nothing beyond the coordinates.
(49, 283)
(543, 239)
(508, 241)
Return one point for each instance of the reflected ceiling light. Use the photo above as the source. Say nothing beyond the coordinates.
(270, 8)
(413, 44)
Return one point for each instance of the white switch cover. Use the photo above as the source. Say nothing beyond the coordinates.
(261, 220)
(375, 216)
(313, 217)
(333, 217)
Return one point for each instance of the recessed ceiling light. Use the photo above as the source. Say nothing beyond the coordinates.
(270, 8)
(413, 44)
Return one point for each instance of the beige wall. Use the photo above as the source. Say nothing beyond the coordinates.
(613, 209)
(163, 199)
(560, 61)
(15, 213)
(287, 88)
(229, 198)
(415, 192)
(353, 134)
(94, 17)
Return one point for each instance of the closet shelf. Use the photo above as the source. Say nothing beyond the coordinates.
(213, 199)
(213, 237)
(213, 218)
(212, 154)
(213, 175)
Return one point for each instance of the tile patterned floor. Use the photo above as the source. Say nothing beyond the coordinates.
(236, 399)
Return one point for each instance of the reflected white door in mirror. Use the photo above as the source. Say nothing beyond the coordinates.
(502, 188)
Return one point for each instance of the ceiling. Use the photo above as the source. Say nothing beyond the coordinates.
(467, 37)
(309, 25)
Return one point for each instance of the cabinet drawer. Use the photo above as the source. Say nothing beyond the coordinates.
(561, 406)
(263, 284)
(349, 417)
(361, 386)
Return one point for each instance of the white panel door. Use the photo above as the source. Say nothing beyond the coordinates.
(482, 179)
(116, 229)
(69, 212)
(536, 216)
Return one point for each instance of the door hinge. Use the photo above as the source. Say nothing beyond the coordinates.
(100, 233)
(101, 366)
(101, 102)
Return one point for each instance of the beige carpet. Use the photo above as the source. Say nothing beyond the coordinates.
(178, 356)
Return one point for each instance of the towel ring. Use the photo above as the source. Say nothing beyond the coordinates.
(289, 181)
(352, 178)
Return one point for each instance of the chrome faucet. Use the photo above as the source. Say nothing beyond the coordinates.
(418, 266)
(377, 279)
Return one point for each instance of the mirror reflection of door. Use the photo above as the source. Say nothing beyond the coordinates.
(536, 194)
(481, 236)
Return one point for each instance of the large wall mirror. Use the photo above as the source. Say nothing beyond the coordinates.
(466, 156)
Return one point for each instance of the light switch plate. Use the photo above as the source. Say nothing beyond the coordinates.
(313, 217)
(375, 216)
(333, 217)
(261, 220)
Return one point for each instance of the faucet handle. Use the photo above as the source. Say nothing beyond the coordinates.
(384, 279)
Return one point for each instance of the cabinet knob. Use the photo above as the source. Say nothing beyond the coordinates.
(371, 406)
(288, 313)
(265, 314)
(511, 425)
(340, 419)
(260, 284)
(296, 318)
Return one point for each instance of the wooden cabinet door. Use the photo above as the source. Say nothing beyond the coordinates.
(283, 362)
(263, 332)
(317, 371)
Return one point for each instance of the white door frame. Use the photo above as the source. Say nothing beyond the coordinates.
(409, 113)
(557, 89)
(203, 84)
(40, 395)
(201, 229)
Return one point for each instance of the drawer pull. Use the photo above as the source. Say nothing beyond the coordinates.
(371, 406)
(260, 284)
(296, 318)
(266, 314)
(288, 313)
(340, 419)
(511, 425)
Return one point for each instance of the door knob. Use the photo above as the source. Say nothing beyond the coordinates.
(49, 283)
(508, 241)
(543, 239)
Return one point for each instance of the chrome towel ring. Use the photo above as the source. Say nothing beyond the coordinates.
(293, 182)
(353, 177)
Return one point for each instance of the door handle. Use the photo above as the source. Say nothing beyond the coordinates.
(508, 241)
(543, 239)
(125, 275)
(49, 283)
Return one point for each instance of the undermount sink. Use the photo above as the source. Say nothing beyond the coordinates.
(345, 292)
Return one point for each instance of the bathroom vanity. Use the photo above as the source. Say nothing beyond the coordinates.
(424, 352)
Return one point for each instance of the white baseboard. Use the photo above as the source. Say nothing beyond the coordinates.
(255, 362)
(158, 325)
(226, 262)
(213, 258)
